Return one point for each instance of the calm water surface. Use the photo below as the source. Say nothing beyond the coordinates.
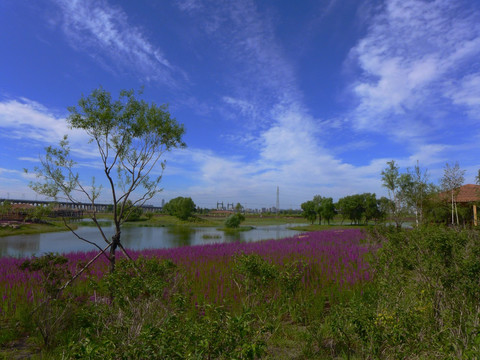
(134, 238)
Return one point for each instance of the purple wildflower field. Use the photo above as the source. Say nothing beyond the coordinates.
(335, 259)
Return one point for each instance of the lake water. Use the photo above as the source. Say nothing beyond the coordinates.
(134, 238)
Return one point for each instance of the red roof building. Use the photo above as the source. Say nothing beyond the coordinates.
(466, 194)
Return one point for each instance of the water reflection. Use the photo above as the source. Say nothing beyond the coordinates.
(133, 238)
(10, 246)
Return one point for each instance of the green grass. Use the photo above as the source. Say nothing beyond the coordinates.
(316, 227)
(210, 221)
(33, 228)
(257, 220)
(236, 230)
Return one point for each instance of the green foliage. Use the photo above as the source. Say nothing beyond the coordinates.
(52, 313)
(408, 191)
(238, 208)
(234, 221)
(309, 210)
(5, 207)
(397, 185)
(260, 280)
(133, 281)
(424, 300)
(327, 209)
(154, 317)
(352, 207)
(180, 207)
(131, 136)
(39, 213)
(252, 272)
(53, 269)
(130, 212)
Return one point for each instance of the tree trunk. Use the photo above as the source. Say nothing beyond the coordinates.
(453, 220)
(456, 213)
(113, 248)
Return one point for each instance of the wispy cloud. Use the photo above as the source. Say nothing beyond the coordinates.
(23, 118)
(466, 92)
(262, 76)
(105, 32)
(408, 60)
(30, 121)
(290, 142)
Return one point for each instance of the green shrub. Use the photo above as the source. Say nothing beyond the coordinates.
(234, 221)
(424, 300)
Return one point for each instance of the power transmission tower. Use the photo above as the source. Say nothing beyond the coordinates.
(278, 200)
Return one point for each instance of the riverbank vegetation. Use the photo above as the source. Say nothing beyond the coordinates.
(22, 228)
(351, 294)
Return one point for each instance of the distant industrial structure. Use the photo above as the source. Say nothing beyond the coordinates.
(277, 207)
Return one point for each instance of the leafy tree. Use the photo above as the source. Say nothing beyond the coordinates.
(238, 208)
(419, 191)
(180, 207)
(5, 208)
(384, 206)
(371, 207)
(317, 200)
(398, 186)
(133, 212)
(130, 136)
(234, 221)
(39, 213)
(453, 178)
(309, 211)
(327, 209)
(352, 207)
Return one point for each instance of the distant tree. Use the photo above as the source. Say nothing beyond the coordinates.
(318, 201)
(309, 210)
(131, 136)
(453, 178)
(39, 213)
(327, 209)
(384, 206)
(180, 207)
(398, 186)
(418, 192)
(352, 207)
(477, 178)
(234, 221)
(131, 212)
(238, 208)
(370, 206)
(5, 208)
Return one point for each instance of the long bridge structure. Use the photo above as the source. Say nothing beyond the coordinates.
(74, 205)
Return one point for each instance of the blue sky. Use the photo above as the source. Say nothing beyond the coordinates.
(311, 96)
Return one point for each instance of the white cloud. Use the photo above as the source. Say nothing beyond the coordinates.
(28, 120)
(105, 32)
(411, 53)
(262, 77)
(290, 142)
(467, 93)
